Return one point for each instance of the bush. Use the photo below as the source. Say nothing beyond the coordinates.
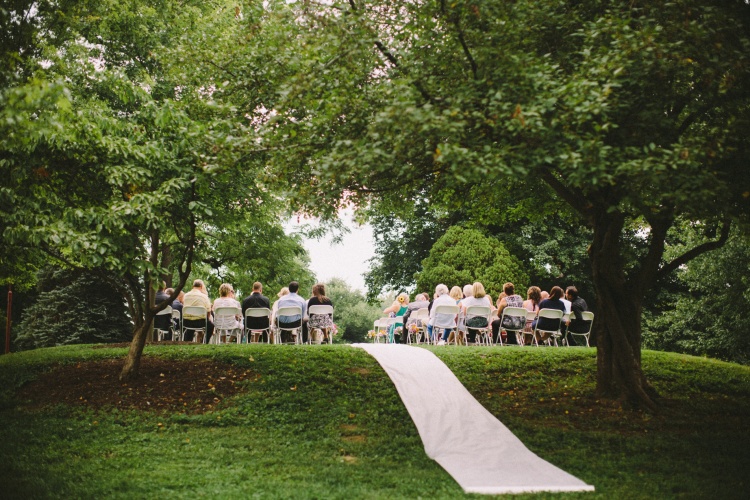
(73, 307)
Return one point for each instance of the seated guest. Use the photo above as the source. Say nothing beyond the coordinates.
(477, 297)
(256, 300)
(162, 321)
(398, 308)
(198, 296)
(226, 299)
(290, 300)
(457, 294)
(282, 292)
(176, 306)
(577, 307)
(442, 320)
(531, 304)
(553, 302)
(508, 298)
(322, 322)
(420, 302)
(161, 293)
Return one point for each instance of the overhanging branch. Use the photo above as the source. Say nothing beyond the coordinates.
(695, 252)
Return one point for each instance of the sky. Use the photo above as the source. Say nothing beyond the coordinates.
(346, 260)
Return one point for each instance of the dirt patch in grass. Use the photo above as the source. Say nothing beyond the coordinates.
(354, 439)
(359, 371)
(164, 385)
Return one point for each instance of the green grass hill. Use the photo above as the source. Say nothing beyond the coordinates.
(326, 422)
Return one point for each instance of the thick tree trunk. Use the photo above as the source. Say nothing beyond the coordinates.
(619, 372)
(133, 360)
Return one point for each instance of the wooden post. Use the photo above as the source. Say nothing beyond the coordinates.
(7, 320)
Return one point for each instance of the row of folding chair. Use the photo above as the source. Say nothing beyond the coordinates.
(516, 317)
(225, 316)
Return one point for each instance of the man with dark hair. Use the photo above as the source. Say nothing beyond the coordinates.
(577, 307)
(256, 300)
(294, 321)
(162, 321)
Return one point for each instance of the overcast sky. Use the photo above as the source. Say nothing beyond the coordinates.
(346, 260)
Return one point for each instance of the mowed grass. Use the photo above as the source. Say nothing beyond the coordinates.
(326, 422)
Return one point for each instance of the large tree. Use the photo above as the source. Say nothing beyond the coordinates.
(115, 157)
(630, 112)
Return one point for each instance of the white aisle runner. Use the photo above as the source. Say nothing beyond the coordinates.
(474, 447)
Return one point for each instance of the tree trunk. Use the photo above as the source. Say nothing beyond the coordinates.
(133, 360)
(619, 372)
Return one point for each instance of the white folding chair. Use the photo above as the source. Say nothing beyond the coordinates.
(257, 312)
(559, 334)
(422, 316)
(195, 311)
(226, 324)
(445, 319)
(161, 332)
(320, 310)
(589, 318)
(392, 322)
(552, 326)
(176, 325)
(381, 329)
(513, 320)
(484, 333)
(295, 331)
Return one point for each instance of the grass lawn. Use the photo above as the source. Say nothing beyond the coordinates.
(326, 422)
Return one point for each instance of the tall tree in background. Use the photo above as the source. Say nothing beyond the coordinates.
(628, 112)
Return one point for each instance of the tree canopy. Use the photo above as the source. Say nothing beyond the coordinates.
(628, 112)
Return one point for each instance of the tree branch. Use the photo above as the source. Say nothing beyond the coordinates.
(695, 252)
(392, 59)
(454, 19)
(572, 196)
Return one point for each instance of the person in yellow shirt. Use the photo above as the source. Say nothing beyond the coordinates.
(198, 296)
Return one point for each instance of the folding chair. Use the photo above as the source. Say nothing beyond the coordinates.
(320, 310)
(176, 324)
(513, 320)
(391, 332)
(484, 333)
(257, 312)
(194, 311)
(589, 318)
(445, 319)
(552, 326)
(295, 331)
(381, 329)
(422, 316)
(225, 324)
(558, 334)
(160, 317)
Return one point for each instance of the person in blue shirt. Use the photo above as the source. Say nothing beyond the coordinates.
(294, 321)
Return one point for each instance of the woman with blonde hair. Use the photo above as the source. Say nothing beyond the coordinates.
(226, 299)
(397, 309)
(478, 298)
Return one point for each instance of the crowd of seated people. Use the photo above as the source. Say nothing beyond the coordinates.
(475, 295)
(201, 328)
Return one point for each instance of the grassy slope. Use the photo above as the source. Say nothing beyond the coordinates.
(325, 422)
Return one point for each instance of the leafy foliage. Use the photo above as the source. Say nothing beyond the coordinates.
(73, 307)
(353, 316)
(711, 314)
(463, 256)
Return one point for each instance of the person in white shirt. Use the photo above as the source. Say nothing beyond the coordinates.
(226, 299)
(447, 321)
(478, 297)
